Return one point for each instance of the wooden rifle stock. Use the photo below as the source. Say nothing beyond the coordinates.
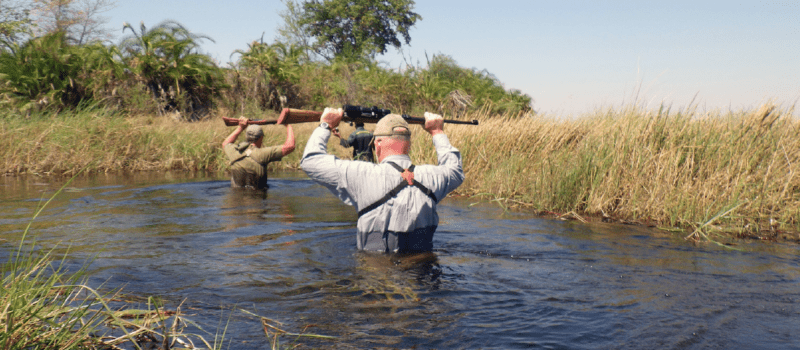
(295, 116)
(235, 122)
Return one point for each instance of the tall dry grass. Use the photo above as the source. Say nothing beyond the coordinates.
(102, 140)
(705, 171)
(672, 168)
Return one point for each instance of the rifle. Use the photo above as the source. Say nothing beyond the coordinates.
(352, 114)
(235, 122)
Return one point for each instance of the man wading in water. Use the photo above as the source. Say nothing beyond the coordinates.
(248, 159)
(396, 201)
(361, 141)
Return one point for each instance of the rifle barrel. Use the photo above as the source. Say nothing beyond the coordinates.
(421, 121)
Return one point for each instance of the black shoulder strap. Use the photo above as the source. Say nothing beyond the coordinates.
(399, 168)
(403, 184)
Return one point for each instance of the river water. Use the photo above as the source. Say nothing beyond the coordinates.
(496, 279)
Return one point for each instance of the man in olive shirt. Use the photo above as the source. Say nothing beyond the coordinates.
(248, 160)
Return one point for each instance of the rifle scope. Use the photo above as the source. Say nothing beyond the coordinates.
(372, 111)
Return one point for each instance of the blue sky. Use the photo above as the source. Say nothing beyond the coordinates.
(571, 57)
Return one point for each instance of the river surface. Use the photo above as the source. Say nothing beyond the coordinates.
(496, 279)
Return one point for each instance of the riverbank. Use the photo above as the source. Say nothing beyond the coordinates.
(706, 174)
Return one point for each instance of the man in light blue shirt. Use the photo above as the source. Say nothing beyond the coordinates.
(396, 201)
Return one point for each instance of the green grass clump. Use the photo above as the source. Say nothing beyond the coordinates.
(44, 306)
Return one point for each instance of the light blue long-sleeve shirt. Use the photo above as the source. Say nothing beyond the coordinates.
(404, 223)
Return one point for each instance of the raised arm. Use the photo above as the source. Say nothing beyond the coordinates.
(288, 145)
(320, 166)
(235, 134)
(448, 156)
(434, 124)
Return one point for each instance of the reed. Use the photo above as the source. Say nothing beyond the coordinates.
(103, 140)
(668, 168)
(44, 306)
(709, 171)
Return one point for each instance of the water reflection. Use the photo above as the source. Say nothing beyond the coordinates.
(495, 279)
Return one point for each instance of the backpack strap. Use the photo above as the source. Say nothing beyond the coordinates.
(408, 177)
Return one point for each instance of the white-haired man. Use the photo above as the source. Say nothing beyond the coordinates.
(396, 201)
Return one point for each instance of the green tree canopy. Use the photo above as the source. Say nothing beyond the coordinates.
(356, 28)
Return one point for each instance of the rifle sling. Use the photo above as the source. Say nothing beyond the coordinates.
(242, 156)
(394, 192)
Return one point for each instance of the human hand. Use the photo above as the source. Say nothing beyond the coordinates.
(434, 123)
(332, 116)
(243, 122)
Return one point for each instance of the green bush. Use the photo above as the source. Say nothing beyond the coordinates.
(47, 72)
(265, 75)
(166, 61)
(159, 70)
(442, 87)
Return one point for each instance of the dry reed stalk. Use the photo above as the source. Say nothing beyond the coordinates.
(674, 168)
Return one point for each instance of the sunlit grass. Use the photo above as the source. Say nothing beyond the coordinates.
(668, 168)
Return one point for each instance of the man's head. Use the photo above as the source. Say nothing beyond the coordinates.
(253, 133)
(392, 125)
(392, 136)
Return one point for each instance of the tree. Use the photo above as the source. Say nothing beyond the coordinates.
(80, 20)
(268, 71)
(166, 59)
(292, 33)
(15, 22)
(354, 28)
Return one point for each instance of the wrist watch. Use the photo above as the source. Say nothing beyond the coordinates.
(325, 125)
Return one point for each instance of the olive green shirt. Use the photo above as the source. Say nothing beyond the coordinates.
(249, 167)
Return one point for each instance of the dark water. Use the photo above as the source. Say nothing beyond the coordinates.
(496, 280)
